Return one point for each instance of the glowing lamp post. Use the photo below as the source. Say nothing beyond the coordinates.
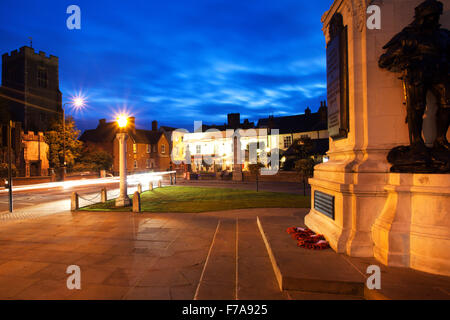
(77, 103)
(122, 137)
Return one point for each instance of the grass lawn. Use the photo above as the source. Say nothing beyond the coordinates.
(198, 199)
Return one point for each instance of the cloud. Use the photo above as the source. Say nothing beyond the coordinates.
(178, 61)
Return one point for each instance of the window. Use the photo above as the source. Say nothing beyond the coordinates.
(148, 148)
(147, 163)
(135, 164)
(287, 142)
(198, 149)
(134, 148)
(42, 78)
(163, 148)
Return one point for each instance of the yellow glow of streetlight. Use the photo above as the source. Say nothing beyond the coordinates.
(122, 121)
(78, 102)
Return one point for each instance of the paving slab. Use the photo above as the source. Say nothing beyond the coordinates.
(218, 279)
(302, 269)
(404, 283)
(256, 278)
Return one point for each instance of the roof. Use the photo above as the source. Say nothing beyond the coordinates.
(103, 133)
(166, 128)
(106, 132)
(297, 123)
(244, 125)
(146, 136)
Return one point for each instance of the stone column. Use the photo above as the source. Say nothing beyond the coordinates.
(123, 199)
(237, 159)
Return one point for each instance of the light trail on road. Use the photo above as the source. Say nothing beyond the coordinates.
(63, 184)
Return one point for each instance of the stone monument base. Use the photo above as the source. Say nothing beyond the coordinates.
(237, 175)
(413, 228)
(123, 202)
(356, 181)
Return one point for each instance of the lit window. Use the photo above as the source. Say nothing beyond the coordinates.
(287, 141)
(198, 149)
(148, 148)
(163, 148)
(134, 148)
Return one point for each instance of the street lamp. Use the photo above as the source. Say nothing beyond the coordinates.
(77, 102)
(123, 200)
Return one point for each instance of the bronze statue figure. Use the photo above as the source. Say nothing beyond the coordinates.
(421, 53)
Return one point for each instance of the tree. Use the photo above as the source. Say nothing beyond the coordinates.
(55, 140)
(93, 160)
(305, 167)
(255, 169)
(300, 149)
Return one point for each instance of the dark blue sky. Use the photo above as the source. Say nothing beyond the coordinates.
(179, 61)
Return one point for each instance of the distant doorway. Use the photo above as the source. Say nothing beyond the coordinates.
(35, 168)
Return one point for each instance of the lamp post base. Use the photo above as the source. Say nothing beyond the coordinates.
(123, 201)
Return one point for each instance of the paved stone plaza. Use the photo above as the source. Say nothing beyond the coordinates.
(125, 256)
(216, 255)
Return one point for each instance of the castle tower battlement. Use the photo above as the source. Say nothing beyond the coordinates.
(31, 77)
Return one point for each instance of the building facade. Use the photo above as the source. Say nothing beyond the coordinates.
(216, 142)
(29, 151)
(146, 150)
(30, 87)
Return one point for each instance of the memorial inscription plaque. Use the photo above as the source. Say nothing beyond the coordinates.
(337, 79)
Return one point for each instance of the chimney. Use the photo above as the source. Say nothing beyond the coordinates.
(323, 111)
(307, 111)
(234, 120)
(154, 125)
(101, 122)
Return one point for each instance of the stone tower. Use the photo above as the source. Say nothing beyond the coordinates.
(30, 81)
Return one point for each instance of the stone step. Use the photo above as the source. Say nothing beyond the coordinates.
(255, 277)
(218, 278)
(299, 269)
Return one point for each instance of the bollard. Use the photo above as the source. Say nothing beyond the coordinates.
(150, 186)
(74, 202)
(139, 188)
(159, 184)
(104, 195)
(136, 202)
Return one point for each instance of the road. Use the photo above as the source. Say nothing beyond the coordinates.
(51, 198)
